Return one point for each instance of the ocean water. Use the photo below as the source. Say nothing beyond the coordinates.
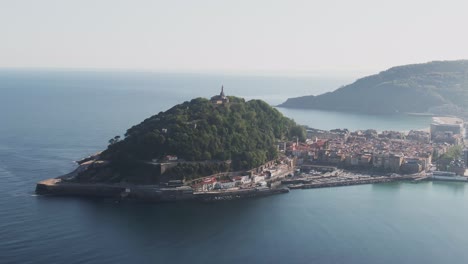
(50, 119)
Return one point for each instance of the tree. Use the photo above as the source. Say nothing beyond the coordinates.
(114, 140)
(299, 132)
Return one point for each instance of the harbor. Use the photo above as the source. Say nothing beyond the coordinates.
(274, 177)
(212, 190)
(339, 178)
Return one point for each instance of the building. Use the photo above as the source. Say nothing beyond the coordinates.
(410, 167)
(421, 136)
(221, 98)
(281, 145)
(446, 125)
(393, 162)
(465, 156)
(170, 158)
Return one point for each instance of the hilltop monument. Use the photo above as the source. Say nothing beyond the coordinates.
(221, 98)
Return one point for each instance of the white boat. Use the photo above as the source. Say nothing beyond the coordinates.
(447, 176)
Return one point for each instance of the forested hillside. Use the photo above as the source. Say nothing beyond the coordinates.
(244, 132)
(439, 87)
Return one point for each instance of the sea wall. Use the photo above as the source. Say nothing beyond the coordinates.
(52, 187)
(129, 192)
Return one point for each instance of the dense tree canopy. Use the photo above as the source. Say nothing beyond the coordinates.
(244, 132)
(439, 87)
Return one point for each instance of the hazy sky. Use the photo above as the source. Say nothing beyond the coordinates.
(232, 36)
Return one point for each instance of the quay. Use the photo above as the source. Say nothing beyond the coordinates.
(281, 182)
(340, 178)
(150, 193)
(58, 187)
(371, 180)
(155, 193)
(262, 181)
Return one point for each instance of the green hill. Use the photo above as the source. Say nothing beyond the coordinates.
(203, 135)
(439, 87)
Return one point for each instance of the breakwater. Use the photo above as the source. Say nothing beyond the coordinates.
(59, 188)
(148, 192)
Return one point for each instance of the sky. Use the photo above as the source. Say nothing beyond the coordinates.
(253, 36)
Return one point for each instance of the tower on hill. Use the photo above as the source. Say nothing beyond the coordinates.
(221, 98)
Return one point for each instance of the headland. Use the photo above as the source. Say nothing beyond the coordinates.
(332, 158)
(433, 88)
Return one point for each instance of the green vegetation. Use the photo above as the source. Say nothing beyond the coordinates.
(439, 87)
(206, 138)
(454, 152)
(189, 171)
(243, 132)
(448, 159)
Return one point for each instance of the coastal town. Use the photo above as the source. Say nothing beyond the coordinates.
(338, 157)
(332, 158)
(387, 151)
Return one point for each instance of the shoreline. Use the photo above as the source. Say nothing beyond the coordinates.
(155, 193)
(149, 193)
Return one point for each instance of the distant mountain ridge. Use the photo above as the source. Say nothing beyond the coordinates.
(438, 87)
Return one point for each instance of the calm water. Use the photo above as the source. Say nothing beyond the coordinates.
(48, 120)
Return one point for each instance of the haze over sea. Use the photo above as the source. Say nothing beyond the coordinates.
(49, 119)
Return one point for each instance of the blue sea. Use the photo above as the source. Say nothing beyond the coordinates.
(49, 119)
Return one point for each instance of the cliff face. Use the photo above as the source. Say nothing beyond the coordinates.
(430, 87)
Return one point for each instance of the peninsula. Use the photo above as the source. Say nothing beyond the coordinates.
(223, 139)
(435, 88)
(226, 148)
